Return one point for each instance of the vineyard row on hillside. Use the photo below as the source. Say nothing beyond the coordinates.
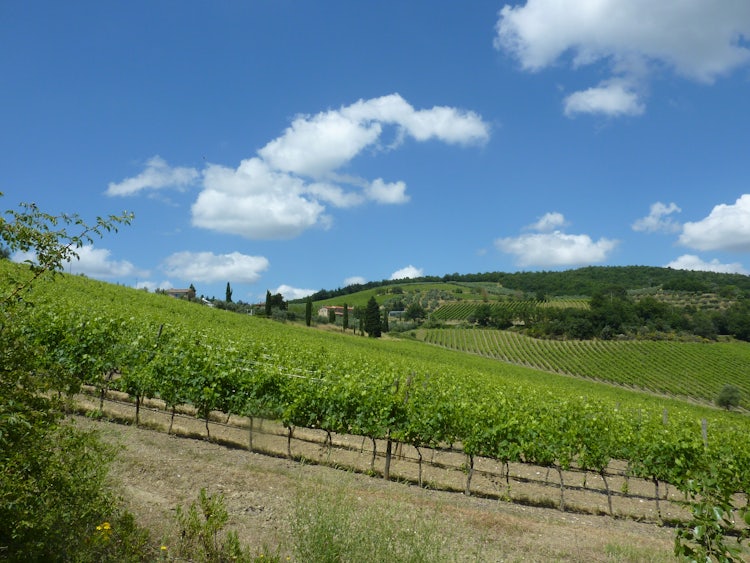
(262, 371)
(683, 369)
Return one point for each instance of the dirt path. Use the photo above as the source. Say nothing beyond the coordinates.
(159, 472)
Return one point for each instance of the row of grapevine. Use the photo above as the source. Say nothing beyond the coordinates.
(686, 369)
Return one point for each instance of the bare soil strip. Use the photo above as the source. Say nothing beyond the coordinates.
(159, 472)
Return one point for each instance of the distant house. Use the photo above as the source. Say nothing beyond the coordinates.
(338, 310)
(181, 293)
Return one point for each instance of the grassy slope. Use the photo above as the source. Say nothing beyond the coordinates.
(485, 374)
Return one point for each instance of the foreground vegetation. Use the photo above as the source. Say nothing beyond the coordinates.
(155, 346)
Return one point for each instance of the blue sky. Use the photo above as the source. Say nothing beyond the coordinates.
(294, 146)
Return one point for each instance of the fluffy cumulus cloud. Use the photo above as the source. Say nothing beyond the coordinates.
(693, 262)
(290, 292)
(698, 39)
(158, 174)
(554, 248)
(290, 184)
(256, 202)
(658, 219)
(407, 273)
(726, 228)
(613, 99)
(209, 267)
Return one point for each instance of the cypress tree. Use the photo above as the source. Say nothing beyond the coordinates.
(308, 312)
(372, 318)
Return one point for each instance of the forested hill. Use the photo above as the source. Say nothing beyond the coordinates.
(582, 281)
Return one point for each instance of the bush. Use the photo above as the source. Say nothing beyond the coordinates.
(201, 532)
(729, 397)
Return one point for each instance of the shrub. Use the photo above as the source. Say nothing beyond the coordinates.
(729, 397)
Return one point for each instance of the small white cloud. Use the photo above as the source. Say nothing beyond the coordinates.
(693, 262)
(407, 273)
(158, 174)
(383, 192)
(727, 228)
(208, 267)
(548, 222)
(290, 293)
(658, 219)
(358, 280)
(611, 99)
(556, 249)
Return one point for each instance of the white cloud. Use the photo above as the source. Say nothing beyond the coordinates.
(698, 39)
(92, 262)
(255, 202)
(407, 273)
(658, 219)
(354, 280)
(291, 293)
(727, 227)
(554, 248)
(287, 187)
(384, 192)
(693, 262)
(158, 174)
(443, 123)
(208, 267)
(611, 99)
(315, 145)
(548, 222)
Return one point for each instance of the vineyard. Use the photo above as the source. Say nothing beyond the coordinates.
(693, 370)
(393, 392)
(463, 310)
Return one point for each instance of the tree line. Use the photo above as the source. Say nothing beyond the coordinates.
(613, 312)
(581, 281)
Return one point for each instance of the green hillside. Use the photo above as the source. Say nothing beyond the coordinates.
(578, 282)
(394, 390)
(693, 370)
